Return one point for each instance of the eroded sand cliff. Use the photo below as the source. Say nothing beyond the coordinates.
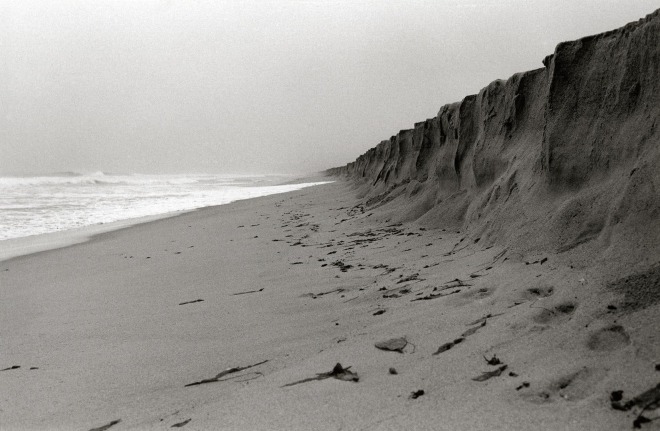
(551, 159)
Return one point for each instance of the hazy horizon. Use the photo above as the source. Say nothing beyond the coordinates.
(255, 87)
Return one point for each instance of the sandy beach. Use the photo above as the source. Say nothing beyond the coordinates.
(234, 317)
(477, 247)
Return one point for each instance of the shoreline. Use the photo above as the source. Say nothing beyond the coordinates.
(22, 246)
(27, 245)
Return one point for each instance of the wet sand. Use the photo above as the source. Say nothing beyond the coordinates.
(235, 317)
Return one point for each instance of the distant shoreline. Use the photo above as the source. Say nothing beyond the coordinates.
(22, 246)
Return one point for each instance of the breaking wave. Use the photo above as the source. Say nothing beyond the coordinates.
(67, 200)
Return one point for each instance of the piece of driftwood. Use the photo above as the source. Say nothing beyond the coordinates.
(338, 372)
(249, 291)
(448, 346)
(181, 424)
(106, 426)
(647, 400)
(490, 374)
(191, 302)
(224, 373)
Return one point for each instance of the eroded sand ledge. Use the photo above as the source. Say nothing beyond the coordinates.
(550, 159)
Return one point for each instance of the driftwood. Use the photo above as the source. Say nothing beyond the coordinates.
(181, 424)
(490, 374)
(106, 426)
(249, 291)
(448, 346)
(191, 302)
(224, 373)
(647, 400)
(338, 372)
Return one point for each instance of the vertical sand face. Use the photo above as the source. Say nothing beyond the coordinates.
(549, 159)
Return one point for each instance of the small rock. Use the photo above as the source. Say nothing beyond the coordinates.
(393, 344)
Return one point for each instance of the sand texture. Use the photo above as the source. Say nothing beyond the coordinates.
(236, 318)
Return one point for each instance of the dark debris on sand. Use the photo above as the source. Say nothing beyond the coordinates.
(473, 330)
(224, 373)
(416, 394)
(490, 374)
(646, 401)
(106, 426)
(181, 424)
(249, 291)
(493, 361)
(191, 302)
(448, 346)
(342, 266)
(338, 372)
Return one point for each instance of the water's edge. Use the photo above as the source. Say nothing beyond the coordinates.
(23, 246)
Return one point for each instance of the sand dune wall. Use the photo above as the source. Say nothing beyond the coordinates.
(603, 102)
(557, 156)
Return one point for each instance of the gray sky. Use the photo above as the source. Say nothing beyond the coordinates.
(255, 86)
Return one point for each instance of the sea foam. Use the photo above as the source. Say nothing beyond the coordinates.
(52, 203)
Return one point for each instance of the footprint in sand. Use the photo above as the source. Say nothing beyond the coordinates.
(574, 386)
(541, 291)
(613, 337)
(471, 295)
(559, 313)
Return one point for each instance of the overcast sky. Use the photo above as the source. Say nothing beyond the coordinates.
(255, 86)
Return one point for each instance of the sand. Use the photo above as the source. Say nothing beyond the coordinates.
(247, 298)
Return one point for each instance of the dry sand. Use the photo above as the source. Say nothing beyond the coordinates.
(250, 297)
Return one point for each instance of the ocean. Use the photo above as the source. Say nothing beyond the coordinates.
(52, 203)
